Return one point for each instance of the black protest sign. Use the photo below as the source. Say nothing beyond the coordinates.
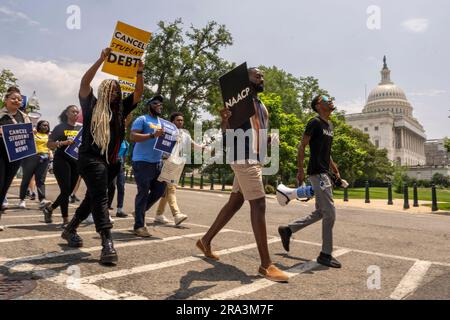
(235, 86)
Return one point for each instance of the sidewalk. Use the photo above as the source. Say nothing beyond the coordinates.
(375, 204)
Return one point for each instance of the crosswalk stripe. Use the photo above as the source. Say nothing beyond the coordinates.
(411, 281)
(264, 283)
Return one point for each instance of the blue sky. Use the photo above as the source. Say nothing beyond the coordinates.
(326, 39)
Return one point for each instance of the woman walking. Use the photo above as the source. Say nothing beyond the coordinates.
(37, 165)
(9, 114)
(64, 166)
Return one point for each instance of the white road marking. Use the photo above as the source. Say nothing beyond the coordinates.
(264, 283)
(88, 290)
(54, 235)
(384, 255)
(11, 262)
(165, 264)
(411, 280)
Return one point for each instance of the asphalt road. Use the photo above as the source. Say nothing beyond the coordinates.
(385, 255)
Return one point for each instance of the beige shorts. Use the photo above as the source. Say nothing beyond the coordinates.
(248, 181)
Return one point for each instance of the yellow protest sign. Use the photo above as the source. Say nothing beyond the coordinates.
(127, 47)
(127, 86)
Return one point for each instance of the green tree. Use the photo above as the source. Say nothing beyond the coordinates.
(184, 66)
(7, 79)
(290, 128)
(447, 144)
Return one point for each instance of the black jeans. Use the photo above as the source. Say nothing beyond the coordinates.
(37, 166)
(8, 171)
(118, 181)
(98, 176)
(66, 173)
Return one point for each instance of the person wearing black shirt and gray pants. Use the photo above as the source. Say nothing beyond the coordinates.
(319, 136)
(103, 133)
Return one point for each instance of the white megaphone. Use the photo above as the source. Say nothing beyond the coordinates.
(285, 194)
(34, 117)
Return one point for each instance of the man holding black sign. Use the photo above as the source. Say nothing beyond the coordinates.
(248, 184)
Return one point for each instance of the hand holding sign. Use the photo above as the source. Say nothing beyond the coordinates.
(158, 133)
(105, 53)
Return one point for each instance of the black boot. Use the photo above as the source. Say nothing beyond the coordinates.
(70, 233)
(109, 254)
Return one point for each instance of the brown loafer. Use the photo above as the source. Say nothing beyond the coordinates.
(273, 273)
(206, 251)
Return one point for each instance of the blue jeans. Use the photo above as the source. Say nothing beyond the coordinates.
(149, 189)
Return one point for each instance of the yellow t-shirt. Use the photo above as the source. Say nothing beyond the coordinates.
(41, 142)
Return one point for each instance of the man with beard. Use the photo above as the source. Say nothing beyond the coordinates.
(147, 163)
(248, 183)
(103, 132)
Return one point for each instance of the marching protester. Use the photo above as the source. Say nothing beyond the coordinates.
(9, 114)
(248, 184)
(103, 132)
(73, 197)
(147, 162)
(37, 165)
(184, 142)
(319, 136)
(64, 166)
(119, 181)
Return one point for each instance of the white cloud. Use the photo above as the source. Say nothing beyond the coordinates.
(417, 25)
(351, 106)
(56, 83)
(17, 15)
(428, 93)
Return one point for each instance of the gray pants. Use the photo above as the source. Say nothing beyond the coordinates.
(325, 210)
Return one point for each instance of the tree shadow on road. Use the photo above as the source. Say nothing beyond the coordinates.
(218, 272)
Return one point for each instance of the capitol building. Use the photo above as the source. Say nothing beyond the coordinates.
(388, 119)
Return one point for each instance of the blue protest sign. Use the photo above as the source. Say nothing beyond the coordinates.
(168, 140)
(23, 107)
(19, 141)
(72, 150)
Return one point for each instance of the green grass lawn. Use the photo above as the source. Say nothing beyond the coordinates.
(443, 195)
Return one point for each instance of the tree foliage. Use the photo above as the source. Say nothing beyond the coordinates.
(7, 79)
(184, 66)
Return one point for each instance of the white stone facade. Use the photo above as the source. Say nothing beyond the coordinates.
(387, 118)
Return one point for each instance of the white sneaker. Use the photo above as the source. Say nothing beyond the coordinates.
(22, 204)
(161, 219)
(89, 219)
(43, 204)
(179, 218)
(111, 219)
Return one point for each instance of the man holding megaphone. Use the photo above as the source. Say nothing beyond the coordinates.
(319, 136)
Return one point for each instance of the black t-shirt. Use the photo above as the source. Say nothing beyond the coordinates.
(63, 132)
(321, 133)
(116, 125)
(7, 120)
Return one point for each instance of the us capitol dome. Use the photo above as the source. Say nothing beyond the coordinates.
(388, 119)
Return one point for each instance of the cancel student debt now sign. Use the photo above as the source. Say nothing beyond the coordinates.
(127, 47)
